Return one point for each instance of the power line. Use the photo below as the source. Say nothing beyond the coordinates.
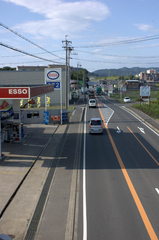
(19, 35)
(23, 55)
(29, 54)
(88, 60)
(111, 55)
(28, 62)
(129, 41)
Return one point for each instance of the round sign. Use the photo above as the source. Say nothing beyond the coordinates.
(53, 75)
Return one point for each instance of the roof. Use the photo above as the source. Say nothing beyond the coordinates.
(132, 81)
(95, 119)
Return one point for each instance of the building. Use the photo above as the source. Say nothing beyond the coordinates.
(132, 84)
(33, 76)
(151, 71)
(30, 68)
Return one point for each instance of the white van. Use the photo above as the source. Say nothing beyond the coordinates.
(92, 103)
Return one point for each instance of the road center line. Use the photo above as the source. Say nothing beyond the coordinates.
(141, 210)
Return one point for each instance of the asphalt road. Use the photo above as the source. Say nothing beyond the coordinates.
(119, 181)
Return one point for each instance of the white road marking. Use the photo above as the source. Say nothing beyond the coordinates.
(84, 183)
(107, 113)
(118, 131)
(141, 129)
(157, 190)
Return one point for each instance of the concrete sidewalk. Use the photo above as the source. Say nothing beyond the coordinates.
(37, 149)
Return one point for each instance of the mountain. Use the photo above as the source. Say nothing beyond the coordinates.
(120, 72)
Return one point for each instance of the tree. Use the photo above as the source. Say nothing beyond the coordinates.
(7, 69)
(131, 77)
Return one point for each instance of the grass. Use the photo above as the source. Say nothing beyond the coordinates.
(152, 110)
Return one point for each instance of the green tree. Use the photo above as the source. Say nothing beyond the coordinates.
(7, 69)
(131, 77)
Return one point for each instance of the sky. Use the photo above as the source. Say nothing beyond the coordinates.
(105, 34)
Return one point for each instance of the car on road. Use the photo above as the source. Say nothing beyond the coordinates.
(92, 103)
(95, 125)
(126, 99)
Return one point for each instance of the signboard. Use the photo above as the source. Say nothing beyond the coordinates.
(124, 89)
(7, 114)
(55, 118)
(14, 92)
(46, 117)
(56, 84)
(53, 76)
(145, 91)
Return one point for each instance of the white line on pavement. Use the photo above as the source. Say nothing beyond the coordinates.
(84, 183)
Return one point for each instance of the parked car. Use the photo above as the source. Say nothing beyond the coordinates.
(95, 125)
(92, 103)
(126, 99)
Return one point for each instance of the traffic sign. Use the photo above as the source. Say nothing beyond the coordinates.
(145, 91)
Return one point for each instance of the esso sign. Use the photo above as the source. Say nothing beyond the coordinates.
(18, 91)
(53, 75)
(14, 92)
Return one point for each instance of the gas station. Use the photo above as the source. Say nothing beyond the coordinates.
(14, 129)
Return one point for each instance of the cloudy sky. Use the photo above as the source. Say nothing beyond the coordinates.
(102, 34)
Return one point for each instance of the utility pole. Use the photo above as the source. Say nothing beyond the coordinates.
(84, 94)
(68, 48)
(78, 65)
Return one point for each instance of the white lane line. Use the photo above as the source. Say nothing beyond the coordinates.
(157, 190)
(84, 183)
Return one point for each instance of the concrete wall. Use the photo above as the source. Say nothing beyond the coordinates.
(37, 119)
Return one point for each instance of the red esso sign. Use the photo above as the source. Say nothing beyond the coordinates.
(14, 92)
(53, 75)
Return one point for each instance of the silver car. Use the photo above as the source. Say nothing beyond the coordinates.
(95, 125)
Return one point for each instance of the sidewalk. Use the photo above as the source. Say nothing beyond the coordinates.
(33, 157)
(39, 145)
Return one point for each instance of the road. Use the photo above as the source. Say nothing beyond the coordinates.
(105, 186)
(119, 196)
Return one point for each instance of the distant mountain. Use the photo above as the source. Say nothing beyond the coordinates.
(120, 72)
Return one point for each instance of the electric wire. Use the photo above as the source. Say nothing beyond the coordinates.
(29, 54)
(111, 55)
(129, 41)
(19, 35)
